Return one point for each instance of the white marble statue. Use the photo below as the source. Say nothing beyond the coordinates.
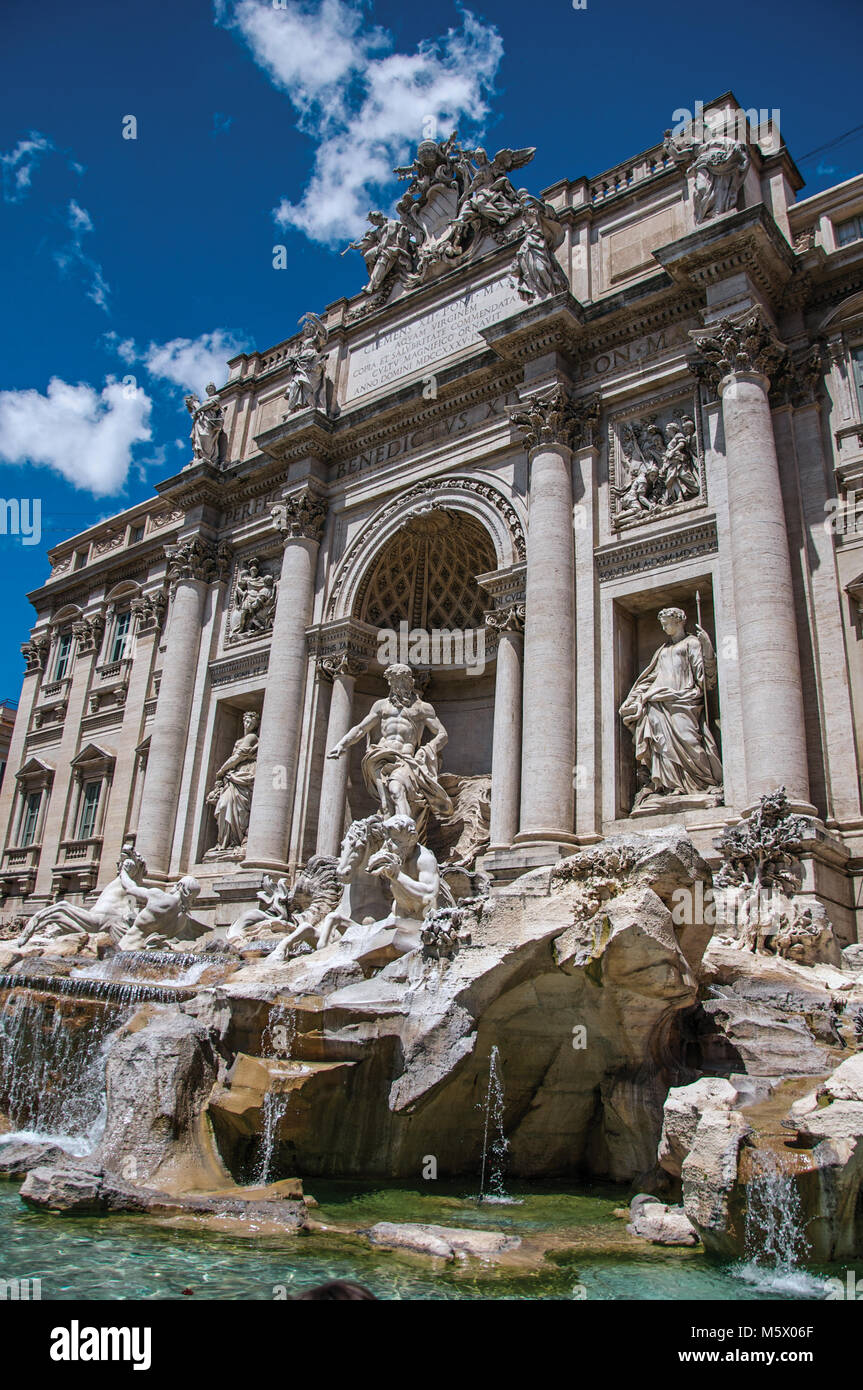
(162, 916)
(490, 196)
(411, 870)
(398, 768)
(113, 911)
(665, 711)
(254, 601)
(208, 419)
(231, 796)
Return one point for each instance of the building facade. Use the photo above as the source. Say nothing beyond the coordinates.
(542, 422)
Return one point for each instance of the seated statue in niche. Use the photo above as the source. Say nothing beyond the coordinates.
(254, 601)
(666, 712)
(399, 770)
(231, 796)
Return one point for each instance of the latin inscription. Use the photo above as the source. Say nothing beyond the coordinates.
(399, 352)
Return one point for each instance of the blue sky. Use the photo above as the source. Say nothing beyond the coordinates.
(256, 123)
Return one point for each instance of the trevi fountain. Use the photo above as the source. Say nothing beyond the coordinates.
(432, 823)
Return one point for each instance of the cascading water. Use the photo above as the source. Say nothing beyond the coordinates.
(774, 1235)
(495, 1143)
(52, 1066)
(277, 1040)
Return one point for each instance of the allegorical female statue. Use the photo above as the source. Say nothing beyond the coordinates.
(665, 710)
(231, 796)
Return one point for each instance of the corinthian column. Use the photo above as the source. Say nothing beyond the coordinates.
(300, 520)
(193, 566)
(740, 354)
(508, 623)
(548, 739)
(342, 670)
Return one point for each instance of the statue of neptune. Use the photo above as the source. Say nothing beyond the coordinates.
(398, 768)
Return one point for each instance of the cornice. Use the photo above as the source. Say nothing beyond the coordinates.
(748, 241)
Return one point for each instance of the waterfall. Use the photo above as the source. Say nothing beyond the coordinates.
(275, 1105)
(775, 1241)
(277, 1040)
(495, 1143)
(52, 1066)
(774, 1216)
(280, 1031)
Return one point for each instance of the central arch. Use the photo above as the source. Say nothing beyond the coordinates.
(470, 499)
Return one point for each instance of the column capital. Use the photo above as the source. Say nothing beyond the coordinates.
(552, 419)
(799, 379)
(506, 619)
(149, 609)
(199, 559)
(88, 633)
(300, 516)
(340, 664)
(741, 344)
(35, 652)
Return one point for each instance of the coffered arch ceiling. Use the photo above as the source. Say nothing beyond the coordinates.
(426, 574)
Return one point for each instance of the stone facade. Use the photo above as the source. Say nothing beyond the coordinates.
(543, 420)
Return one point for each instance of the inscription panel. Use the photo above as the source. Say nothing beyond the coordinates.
(420, 343)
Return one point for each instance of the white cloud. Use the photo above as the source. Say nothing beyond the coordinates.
(19, 165)
(72, 256)
(85, 435)
(125, 348)
(364, 104)
(191, 362)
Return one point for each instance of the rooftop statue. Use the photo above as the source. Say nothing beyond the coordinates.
(306, 365)
(386, 248)
(455, 197)
(208, 418)
(720, 164)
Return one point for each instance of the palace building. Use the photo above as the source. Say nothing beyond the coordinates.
(541, 422)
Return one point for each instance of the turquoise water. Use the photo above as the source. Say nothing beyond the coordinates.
(590, 1256)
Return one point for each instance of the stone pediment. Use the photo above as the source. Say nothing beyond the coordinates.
(34, 767)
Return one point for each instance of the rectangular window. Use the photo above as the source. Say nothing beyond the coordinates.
(121, 632)
(30, 819)
(136, 535)
(64, 654)
(849, 231)
(89, 807)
